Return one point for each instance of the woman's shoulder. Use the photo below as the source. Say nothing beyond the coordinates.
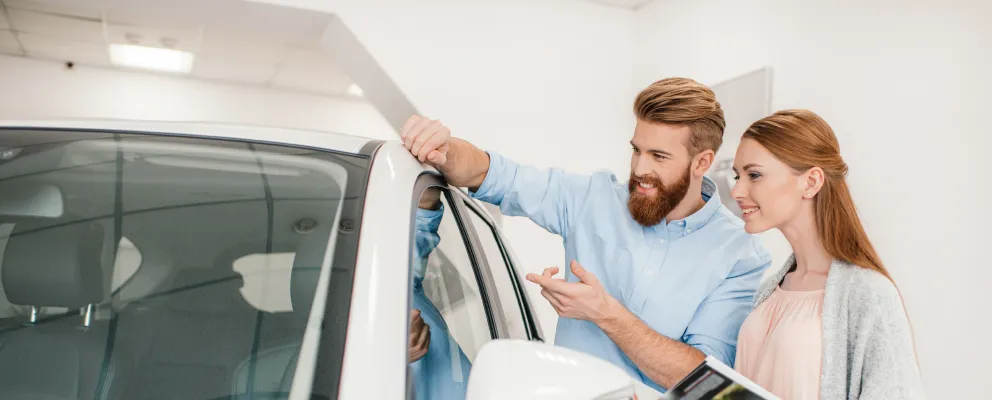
(865, 289)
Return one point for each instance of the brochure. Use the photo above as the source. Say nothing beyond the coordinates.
(714, 380)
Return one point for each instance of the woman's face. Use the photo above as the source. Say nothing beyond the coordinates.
(769, 192)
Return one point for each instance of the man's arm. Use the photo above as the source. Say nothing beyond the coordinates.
(716, 323)
(550, 197)
(712, 331)
(663, 360)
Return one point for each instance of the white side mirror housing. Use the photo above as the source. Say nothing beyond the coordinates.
(521, 370)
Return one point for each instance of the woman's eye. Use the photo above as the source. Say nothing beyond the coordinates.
(753, 175)
(737, 177)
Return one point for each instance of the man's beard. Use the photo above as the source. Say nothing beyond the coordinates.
(649, 210)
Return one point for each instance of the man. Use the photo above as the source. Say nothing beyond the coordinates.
(667, 273)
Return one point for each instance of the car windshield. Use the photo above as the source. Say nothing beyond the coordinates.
(138, 266)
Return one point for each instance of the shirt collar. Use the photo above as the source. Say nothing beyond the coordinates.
(698, 219)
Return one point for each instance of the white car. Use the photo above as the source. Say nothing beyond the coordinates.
(145, 260)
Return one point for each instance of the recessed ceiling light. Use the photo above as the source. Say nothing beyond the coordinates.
(356, 91)
(153, 58)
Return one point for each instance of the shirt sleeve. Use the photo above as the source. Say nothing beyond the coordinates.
(426, 238)
(551, 198)
(714, 328)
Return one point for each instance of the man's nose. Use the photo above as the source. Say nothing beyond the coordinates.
(641, 168)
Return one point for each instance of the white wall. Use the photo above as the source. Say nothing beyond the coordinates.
(905, 86)
(545, 83)
(43, 89)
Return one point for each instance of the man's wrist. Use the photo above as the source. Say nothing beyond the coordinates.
(614, 314)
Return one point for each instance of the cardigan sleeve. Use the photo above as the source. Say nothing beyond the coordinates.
(890, 368)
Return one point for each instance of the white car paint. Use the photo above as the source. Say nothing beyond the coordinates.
(374, 365)
(297, 137)
(543, 371)
(375, 347)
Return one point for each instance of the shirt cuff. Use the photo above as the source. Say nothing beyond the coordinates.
(492, 191)
(712, 347)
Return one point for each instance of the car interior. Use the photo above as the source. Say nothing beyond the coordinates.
(149, 267)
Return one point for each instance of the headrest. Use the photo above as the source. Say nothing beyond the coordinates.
(306, 271)
(55, 266)
(207, 291)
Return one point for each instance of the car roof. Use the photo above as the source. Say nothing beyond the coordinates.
(265, 134)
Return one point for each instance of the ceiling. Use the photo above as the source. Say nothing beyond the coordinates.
(631, 4)
(234, 40)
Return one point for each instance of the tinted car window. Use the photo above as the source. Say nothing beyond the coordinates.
(214, 305)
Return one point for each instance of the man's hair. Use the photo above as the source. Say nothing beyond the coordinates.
(684, 102)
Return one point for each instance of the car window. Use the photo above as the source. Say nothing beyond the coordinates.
(447, 296)
(503, 276)
(232, 238)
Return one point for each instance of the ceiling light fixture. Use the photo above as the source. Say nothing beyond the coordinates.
(153, 58)
(356, 91)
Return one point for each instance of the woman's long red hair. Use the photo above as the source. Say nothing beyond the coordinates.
(803, 140)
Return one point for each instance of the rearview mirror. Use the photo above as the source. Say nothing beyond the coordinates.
(521, 370)
(30, 199)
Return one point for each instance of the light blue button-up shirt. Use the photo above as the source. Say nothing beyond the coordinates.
(691, 280)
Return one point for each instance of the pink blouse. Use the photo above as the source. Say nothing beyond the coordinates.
(780, 345)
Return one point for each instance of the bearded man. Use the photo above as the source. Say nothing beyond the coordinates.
(660, 273)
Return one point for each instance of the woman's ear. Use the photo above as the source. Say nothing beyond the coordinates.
(815, 178)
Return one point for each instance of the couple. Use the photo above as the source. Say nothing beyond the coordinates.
(662, 275)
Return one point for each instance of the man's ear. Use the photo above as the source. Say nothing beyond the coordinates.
(702, 162)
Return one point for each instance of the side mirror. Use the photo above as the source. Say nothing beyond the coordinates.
(521, 370)
(21, 199)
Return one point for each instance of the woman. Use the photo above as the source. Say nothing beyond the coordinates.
(830, 324)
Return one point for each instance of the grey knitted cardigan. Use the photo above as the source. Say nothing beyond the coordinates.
(868, 348)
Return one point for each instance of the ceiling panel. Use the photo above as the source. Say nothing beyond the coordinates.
(631, 4)
(8, 43)
(234, 41)
(242, 48)
(47, 47)
(3, 19)
(73, 8)
(179, 39)
(228, 71)
(285, 24)
(54, 26)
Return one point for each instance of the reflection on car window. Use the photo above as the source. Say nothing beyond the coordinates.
(126, 263)
(215, 303)
(267, 280)
(446, 293)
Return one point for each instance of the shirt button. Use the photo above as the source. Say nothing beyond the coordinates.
(661, 240)
(688, 230)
